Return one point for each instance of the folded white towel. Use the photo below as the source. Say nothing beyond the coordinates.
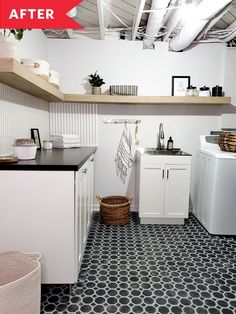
(61, 145)
(64, 136)
(66, 141)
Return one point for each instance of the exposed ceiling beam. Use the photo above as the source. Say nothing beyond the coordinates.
(137, 18)
(101, 19)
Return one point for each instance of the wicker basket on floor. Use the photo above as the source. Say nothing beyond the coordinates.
(114, 210)
(227, 141)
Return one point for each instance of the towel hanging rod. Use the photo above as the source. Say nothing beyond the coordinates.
(116, 121)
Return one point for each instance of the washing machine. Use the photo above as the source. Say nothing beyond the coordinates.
(214, 200)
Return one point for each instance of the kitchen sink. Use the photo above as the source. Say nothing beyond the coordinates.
(155, 151)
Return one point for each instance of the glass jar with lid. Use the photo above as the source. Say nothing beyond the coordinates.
(191, 91)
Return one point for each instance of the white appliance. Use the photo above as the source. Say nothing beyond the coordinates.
(214, 201)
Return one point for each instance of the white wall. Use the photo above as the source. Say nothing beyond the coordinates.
(18, 111)
(33, 45)
(123, 62)
(229, 117)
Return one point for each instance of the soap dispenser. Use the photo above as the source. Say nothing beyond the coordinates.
(170, 144)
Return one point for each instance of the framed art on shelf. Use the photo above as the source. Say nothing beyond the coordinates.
(36, 137)
(179, 85)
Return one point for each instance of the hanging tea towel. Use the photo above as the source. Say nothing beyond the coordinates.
(124, 157)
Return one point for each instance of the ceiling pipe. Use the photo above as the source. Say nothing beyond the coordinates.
(194, 23)
(209, 26)
(155, 20)
(232, 34)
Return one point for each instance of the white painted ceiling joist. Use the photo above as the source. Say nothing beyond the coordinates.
(137, 18)
(101, 19)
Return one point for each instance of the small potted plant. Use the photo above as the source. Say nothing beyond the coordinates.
(96, 82)
(8, 48)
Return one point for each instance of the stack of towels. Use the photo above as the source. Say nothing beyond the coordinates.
(65, 140)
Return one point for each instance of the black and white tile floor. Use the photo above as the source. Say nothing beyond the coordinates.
(150, 269)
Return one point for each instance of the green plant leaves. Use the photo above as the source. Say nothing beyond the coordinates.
(18, 33)
(95, 80)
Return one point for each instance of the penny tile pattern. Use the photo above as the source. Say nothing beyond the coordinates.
(150, 269)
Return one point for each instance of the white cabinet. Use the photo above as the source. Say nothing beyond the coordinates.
(48, 212)
(83, 206)
(163, 188)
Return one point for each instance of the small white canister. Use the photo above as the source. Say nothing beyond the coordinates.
(47, 144)
(38, 67)
(204, 91)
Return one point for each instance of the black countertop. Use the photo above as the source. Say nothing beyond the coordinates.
(70, 159)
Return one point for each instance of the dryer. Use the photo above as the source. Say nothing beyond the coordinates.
(214, 200)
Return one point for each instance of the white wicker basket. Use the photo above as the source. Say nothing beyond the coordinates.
(38, 67)
(54, 78)
(8, 49)
(20, 283)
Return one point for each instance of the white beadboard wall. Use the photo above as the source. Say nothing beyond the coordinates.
(75, 118)
(19, 112)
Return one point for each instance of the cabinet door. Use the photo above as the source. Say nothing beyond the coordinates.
(90, 188)
(177, 191)
(37, 215)
(151, 202)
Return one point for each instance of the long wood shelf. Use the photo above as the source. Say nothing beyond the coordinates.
(175, 100)
(16, 75)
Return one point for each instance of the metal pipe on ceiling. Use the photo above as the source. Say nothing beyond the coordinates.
(195, 21)
(155, 21)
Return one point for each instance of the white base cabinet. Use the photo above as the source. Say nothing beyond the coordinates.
(48, 212)
(163, 188)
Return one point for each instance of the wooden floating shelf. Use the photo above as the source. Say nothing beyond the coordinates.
(155, 100)
(16, 75)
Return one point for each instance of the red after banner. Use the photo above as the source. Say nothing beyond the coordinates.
(37, 14)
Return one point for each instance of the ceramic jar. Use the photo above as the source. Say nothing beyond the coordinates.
(96, 90)
(204, 91)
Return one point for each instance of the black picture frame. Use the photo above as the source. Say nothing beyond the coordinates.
(36, 137)
(179, 85)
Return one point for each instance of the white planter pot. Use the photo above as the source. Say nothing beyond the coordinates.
(8, 49)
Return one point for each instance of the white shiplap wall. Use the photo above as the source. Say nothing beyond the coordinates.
(19, 112)
(75, 118)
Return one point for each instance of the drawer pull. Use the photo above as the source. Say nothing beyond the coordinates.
(85, 170)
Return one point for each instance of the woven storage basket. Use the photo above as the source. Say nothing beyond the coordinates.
(115, 210)
(227, 141)
(20, 283)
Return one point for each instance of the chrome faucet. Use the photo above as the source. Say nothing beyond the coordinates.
(161, 136)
